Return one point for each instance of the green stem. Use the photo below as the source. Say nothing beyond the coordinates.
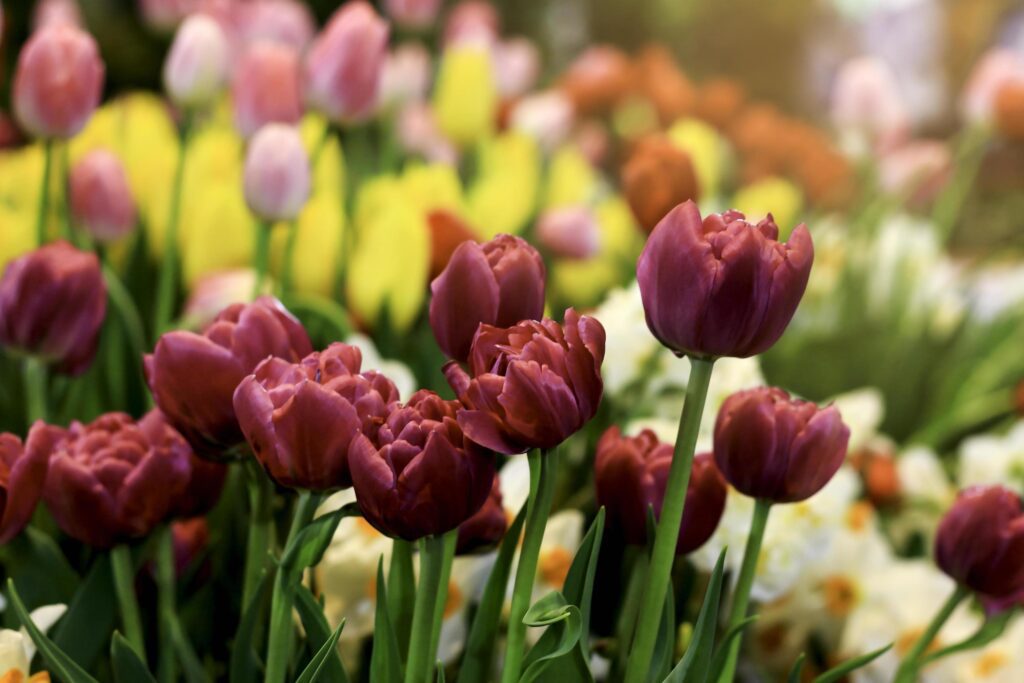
(166, 594)
(167, 289)
(433, 551)
(667, 536)
(261, 256)
(36, 404)
(441, 600)
(907, 673)
(969, 154)
(125, 306)
(44, 193)
(538, 507)
(260, 521)
(285, 286)
(124, 586)
(630, 606)
(401, 592)
(741, 596)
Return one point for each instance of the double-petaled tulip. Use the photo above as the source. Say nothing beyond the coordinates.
(980, 541)
(277, 174)
(58, 81)
(22, 477)
(423, 476)
(100, 196)
(196, 68)
(658, 177)
(52, 304)
(417, 14)
(114, 479)
(201, 493)
(500, 282)
(533, 385)
(301, 418)
(485, 528)
(344, 64)
(630, 476)
(193, 377)
(266, 87)
(721, 286)
(776, 448)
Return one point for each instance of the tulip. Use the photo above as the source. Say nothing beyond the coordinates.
(1009, 110)
(719, 102)
(22, 477)
(284, 21)
(423, 476)
(919, 170)
(277, 174)
(344, 65)
(658, 177)
(533, 384)
(487, 527)
(52, 304)
(664, 84)
(100, 196)
(56, 12)
(516, 66)
(546, 116)
(205, 484)
(164, 15)
(58, 81)
(571, 232)
(266, 87)
(500, 283)
(414, 14)
(721, 286)
(995, 69)
(598, 80)
(406, 75)
(630, 475)
(776, 448)
(868, 106)
(193, 377)
(473, 21)
(418, 134)
(447, 233)
(301, 418)
(114, 479)
(196, 68)
(466, 67)
(215, 292)
(191, 538)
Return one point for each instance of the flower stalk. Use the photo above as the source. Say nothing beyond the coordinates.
(166, 607)
(44, 192)
(167, 284)
(260, 528)
(907, 673)
(436, 554)
(124, 587)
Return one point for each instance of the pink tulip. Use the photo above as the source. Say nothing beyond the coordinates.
(266, 87)
(416, 14)
(570, 232)
(277, 174)
(995, 69)
(101, 199)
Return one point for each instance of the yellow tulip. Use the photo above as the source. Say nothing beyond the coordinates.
(707, 149)
(504, 196)
(217, 231)
(373, 197)
(466, 97)
(433, 186)
(18, 234)
(571, 179)
(773, 195)
(325, 149)
(320, 228)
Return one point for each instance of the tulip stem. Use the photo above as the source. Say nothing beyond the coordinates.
(538, 507)
(166, 292)
(401, 592)
(124, 586)
(907, 673)
(436, 553)
(284, 287)
(165, 580)
(261, 256)
(44, 192)
(34, 373)
(741, 596)
(260, 521)
(666, 539)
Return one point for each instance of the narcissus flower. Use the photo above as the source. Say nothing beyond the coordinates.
(721, 286)
(302, 418)
(266, 87)
(533, 385)
(485, 528)
(658, 177)
(277, 174)
(196, 68)
(22, 476)
(777, 448)
(423, 477)
(100, 197)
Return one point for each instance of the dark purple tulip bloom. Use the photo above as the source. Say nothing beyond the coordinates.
(22, 476)
(980, 542)
(423, 477)
(721, 286)
(114, 479)
(498, 283)
(487, 527)
(630, 476)
(781, 449)
(533, 385)
(52, 304)
(205, 484)
(193, 376)
(301, 418)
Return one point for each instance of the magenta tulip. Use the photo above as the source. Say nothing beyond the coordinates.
(22, 477)
(487, 527)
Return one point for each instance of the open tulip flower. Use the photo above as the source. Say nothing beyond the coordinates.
(22, 476)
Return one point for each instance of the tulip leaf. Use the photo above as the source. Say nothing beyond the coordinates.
(440, 671)
(554, 612)
(35, 562)
(722, 651)
(309, 545)
(245, 660)
(989, 631)
(798, 668)
(839, 672)
(85, 629)
(127, 666)
(318, 630)
(57, 661)
(192, 668)
(385, 661)
(326, 652)
(665, 644)
(478, 661)
(694, 666)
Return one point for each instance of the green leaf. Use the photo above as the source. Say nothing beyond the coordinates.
(127, 666)
(38, 566)
(385, 661)
(989, 631)
(478, 661)
(665, 644)
(84, 631)
(57, 661)
(839, 672)
(191, 667)
(317, 630)
(722, 651)
(694, 666)
(323, 655)
(579, 582)
(308, 546)
(246, 665)
(440, 671)
(798, 667)
(561, 618)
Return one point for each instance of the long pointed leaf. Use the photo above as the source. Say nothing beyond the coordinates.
(695, 664)
(83, 633)
(245, 662)
(317, 630)
(989, 631)
(560, 618)
(323, 655)
(838, 672)
(665, 644)
(310, 544)
(127, 666)
(722, 652)
(57, 661)
(385, 660)
(798, 668)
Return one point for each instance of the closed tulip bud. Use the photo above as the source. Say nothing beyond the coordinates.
(301, 418)
(630, 476)
(344, 65)
(100, 196)
(56, 12)
(980, 541)
(416, 14)
(570, 232)
(113, 480)
(193, 376)
(1009, 110)
(22, 476)
(52, 304)
(533, 385)
(500, 283)
(598, 79)
(516, 66)
(487, 527)
(277, 174)
(58, 81)
(423, 476)
(266, 87)
(777, 448)
(721, 286)
(196, 68)
(658, 177)
(406, 75)
(284, 21)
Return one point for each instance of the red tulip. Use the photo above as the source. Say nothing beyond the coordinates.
(22, 476)
(100, 196)
(487, 527)
(266, 87)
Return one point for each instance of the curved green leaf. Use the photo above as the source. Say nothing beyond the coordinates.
(308, 546)
(722, 651)
(385, 660)
(317, 630)
(84, 631)
(798, 668)
(695, 664)
(246, 664)
(839, 672)
(561, 618)
(127, 666)
(57, 661)
(989, 631)
(323, 655)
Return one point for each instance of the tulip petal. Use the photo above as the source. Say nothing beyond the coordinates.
(464, 295)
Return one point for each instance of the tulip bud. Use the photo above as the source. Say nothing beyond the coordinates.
(516, 66)
(465, 68)
(284, 21)
(52, 304)
(196, 68)
(500, 282)
(301, 418)
(598, 79)
(100, 196)
(344, 65)
(406, 75)
(533, 385)
(473, 21)
(630, 476)
(193, 377)
(1009, 110)
(570, 232)
(773, 447)
(867, 105)
(487, 527)
(277, 174)
(995, 69)
(664, 84)
(447, 233)
(658, 177)
(214, 293)
(415, 14)
(547, 117)
(56, 12)
(58, 81)
(22, 476)
(423, 476)
(266, 87)
(113, 480)
(721, 286)
(980, 541)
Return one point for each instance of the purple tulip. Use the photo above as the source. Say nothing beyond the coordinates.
(22, 476)
(487, 527)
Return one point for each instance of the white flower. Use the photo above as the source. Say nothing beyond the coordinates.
(397, 371)
(862, 411)
(17, 648)
(995, 290)
(1001, 661)
(992, 459)
(923, 479)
